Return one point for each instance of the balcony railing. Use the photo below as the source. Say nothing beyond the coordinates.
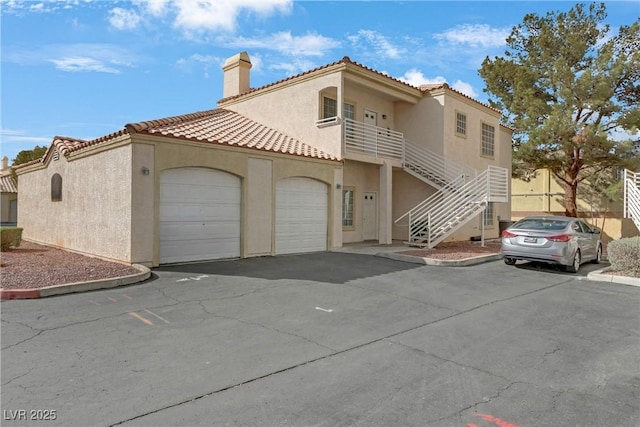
(372, 140)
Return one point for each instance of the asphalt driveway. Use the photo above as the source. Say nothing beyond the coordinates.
(328, 339)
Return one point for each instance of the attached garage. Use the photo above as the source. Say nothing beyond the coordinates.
(301, 215)
(199, 215)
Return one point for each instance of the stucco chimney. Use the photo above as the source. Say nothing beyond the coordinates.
(5, 163)
(236, 74)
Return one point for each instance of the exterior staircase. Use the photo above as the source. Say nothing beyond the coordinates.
(632, 196)
(462, 195)
(462, 192)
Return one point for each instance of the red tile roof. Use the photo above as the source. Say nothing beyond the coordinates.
(217, 126)
(226, 127)
(7, 184)
(435, 86)
(347, 60)
(344, 60)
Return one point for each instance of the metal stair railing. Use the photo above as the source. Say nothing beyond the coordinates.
(435, 169)
(632, 196)
(444, 212)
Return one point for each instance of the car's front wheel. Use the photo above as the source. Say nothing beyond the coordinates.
(510, 261)
(598, 257)
(575, 266)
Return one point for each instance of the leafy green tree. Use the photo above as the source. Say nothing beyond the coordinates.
(26, 156)
(566, 85)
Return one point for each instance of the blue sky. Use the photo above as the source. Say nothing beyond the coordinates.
(84, 69)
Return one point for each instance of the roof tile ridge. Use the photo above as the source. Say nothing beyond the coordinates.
(148, 125)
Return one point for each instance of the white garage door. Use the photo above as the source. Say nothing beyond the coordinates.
(301, 216)
(199, 215)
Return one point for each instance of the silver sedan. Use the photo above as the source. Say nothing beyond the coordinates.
(552, 239)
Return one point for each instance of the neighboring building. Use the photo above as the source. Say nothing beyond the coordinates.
(544, 194)
(8, 195)
(338, 154)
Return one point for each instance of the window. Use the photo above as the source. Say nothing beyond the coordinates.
(461, 124)
(56, 188)
(488, 140)
(329, 107)
(349, 111)
(347, 207)
(488, 215)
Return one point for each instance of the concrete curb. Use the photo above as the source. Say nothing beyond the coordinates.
(68, 288)
(440, 262)
(601, 276)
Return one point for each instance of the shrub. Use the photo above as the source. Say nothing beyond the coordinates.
(624, 256)
(10, 236)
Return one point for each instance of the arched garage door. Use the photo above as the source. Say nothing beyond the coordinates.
(199, 215)
(301, 215)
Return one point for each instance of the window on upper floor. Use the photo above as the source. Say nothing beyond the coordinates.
(461, 124)
(329, 107)
(347, 207)
(349, 111)
(488, 140)
(56, 188)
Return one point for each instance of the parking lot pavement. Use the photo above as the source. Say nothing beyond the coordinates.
(328, 339)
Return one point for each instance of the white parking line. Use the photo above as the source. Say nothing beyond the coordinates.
(327, 310)
(153, 314)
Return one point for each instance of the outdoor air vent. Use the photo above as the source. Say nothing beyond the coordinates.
(56, 155)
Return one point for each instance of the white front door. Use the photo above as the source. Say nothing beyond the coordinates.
(370, 217)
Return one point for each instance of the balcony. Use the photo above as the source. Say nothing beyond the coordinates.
(362, 138)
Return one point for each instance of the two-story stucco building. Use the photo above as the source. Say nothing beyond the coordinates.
(338, 154)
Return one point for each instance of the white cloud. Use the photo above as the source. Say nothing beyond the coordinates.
(122, 19)
(465, 88)
(77, 63)
(285, 43)
(294, 67)
(96, 57)
(153, 7)
(10, 135)
(381, 44)
(206, 61)
(478, 35)
(221, 15)
(416, 78)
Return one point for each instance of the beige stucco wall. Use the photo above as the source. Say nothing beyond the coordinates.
(423, 123)
(94, 215)
(259, 172)
(294, 109)
(362, 178)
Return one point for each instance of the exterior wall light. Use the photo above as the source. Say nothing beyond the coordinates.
(145, 170)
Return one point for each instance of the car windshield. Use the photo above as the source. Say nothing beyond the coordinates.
(540, 224)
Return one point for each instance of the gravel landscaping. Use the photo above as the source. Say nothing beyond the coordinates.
(37, 266)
